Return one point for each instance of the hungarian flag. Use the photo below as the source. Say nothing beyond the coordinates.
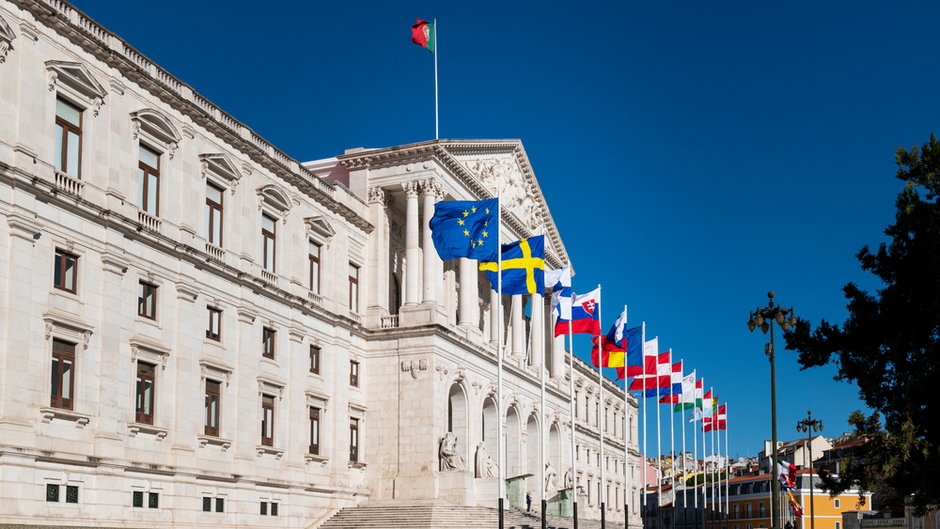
(422, 34)
(695, 401)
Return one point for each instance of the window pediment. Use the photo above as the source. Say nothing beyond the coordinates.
(274, 198)
(74, 80)
(157, 128)
(149, 350)
(220, 165)
(319, 228)
(6, 39)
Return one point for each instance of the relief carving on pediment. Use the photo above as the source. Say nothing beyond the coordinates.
(503, 176)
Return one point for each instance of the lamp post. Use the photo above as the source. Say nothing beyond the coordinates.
(763, 319)
(809, 426)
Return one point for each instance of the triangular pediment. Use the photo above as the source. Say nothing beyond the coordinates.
(219, 164)
(320, 226)
(76, 77)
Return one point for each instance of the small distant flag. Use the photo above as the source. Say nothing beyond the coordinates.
(422, 34)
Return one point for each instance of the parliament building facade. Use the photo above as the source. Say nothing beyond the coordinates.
(197, 330)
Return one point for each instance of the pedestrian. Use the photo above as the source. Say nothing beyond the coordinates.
(528, 501)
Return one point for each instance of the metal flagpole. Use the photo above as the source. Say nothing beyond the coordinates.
(574, 450)
(645, 436)
(704, 466)
(542, 397)
(499, 339)
(659, 450)
(728, 467)
(718, 460)
(436, 135)
(672, 443)
(600, 406)
(626, 451)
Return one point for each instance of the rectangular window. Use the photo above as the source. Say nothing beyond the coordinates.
(147, 300)
(146, 374)
(66, 269)
(354, 440)
(353, 287)
(63, 374)
(838, 525)
(314, 257)
(138, 498)
(68, 138)
(354, 373)
(153, 500)
(314, 359)
(268, 240)
(264, 508)
(274, 509)
(52, 492)
(836, 503)
(213, 396)
(214, 325)
(71, 494)
(214, 215)
(761, 510)
(206, 504)
(148, 181)
(267, 420)
(268, 336)
(220, 505)
(314, 430)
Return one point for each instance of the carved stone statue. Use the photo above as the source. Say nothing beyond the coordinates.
(450, 460)
(485, 466)
(550, 474)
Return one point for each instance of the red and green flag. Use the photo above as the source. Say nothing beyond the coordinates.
(422, 34)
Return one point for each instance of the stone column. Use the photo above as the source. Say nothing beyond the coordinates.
(537, 325)
(469, 292)
(376, 295)
(518, 326)
(412, 252)
(433, 266)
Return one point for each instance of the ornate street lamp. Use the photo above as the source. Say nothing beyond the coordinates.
(763, 319)
(809, 426)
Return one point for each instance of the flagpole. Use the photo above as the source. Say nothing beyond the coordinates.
(436, 135)
(672, 443)
(659, 450)
(541, 474)
(499, 318)
(728, 471)
(645, 440)
(704, 466)
(574, 449)
(626, 450)
(600, 406)
(717, 439)
(695, 450)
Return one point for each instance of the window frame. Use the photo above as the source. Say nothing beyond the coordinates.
(267, 419)
(315, 353)
(145, 372)
(61, 352)
(314, 262)
(354, 287)
(67, 127)
(354, 440)
(268, 343)
(144, 180)
(214, 324)
(314, 414)
(265, 237)
(143, 307)
(354, 373)
(60, 268)
(216, 391)
(213, 208)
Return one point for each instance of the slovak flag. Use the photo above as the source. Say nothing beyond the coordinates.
(585, 315)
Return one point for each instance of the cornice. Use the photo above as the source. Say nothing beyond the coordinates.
(63, 18)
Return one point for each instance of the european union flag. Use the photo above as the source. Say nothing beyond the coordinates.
(462, 228)
(523, 267)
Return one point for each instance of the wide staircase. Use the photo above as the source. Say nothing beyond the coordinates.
(417, 515)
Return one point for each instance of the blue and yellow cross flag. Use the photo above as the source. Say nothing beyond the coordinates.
(523, 267)
(461, 228)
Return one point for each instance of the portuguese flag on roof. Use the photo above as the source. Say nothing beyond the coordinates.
(422, 34)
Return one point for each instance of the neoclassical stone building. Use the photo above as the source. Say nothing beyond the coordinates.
(196, 330)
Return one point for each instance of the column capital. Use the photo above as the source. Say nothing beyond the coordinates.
(377, 195)
(411, 187)
(432, 187)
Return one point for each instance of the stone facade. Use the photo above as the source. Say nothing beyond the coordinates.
(297, 345)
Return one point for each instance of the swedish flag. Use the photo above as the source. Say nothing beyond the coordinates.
(523, 267)
(461, 228)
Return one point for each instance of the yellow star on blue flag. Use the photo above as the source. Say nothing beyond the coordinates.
(523, 267)
(459, 228)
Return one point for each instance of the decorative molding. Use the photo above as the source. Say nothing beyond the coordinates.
(412, 188)
(77, 83)
(135, 428)
(210, 365)
(434, 188)
(81, 420)
(246, 315)
(377, 195)
(62, 325)
(319, 228)
(221, 166)
(23, 227)
(154, 126)
(414, 366)
(6, 39)
(268, 384)
(186, 291)
(276, 198)
(205, 440)
(149, 349)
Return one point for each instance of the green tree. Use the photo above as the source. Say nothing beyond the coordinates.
(888, 346)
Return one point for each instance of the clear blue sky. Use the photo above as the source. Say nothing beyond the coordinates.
(694, 155)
